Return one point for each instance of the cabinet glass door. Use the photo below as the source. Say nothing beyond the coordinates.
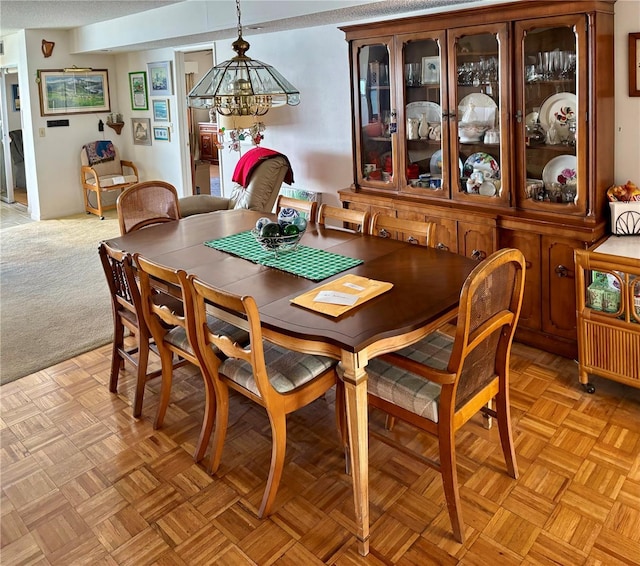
(376, 124)
(551, 114)
(480, 159)
(424, 157)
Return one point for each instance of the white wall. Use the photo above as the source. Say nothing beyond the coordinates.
(627, 135)
(316, 134)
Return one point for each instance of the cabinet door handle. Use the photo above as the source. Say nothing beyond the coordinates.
(442, 246)
(478, 255)
(519, 116)
(562, 271)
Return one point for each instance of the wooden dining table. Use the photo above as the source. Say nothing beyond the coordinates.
(425, 294)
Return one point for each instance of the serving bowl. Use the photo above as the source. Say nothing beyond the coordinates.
(277, 243)
(469, 132)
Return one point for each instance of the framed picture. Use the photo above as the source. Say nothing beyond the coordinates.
(430, 70)
(160, 81)
(161, 133)
(15, 95)
(138, 90)
(141, 128)
(160, 110)
(74, 92)
(634, 64)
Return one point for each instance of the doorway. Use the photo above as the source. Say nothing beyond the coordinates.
(205, 167)
(13, 187)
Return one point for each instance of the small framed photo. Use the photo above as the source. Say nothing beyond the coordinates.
(431, 70)
(160, 110)
(138, 89)
(161, 133)
(634, 64)
(160, 79)
(141, 128)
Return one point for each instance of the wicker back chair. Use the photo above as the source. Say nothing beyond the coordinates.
(145, 204)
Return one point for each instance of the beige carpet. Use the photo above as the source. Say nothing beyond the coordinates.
(54, 300)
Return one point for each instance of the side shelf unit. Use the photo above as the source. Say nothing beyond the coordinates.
(608, 311)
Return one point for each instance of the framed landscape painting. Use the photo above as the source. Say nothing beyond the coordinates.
(160, 110)
(160, 80)
(78, 92)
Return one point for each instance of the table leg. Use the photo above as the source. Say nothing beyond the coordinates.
(355, 383)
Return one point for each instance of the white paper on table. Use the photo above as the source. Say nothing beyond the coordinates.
(336, 298)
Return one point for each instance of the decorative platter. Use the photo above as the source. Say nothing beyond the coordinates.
(477, 107)
(558, 108)
(435, 165)
(561, 170)
(431, 109)
(483, 162)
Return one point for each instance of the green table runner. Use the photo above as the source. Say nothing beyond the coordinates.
(304, 261)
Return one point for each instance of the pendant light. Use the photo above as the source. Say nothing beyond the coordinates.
(242, 86)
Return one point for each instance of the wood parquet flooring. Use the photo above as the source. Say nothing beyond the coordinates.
(84, 482)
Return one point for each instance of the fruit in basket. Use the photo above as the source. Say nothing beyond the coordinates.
(624, 193)
(270, 230)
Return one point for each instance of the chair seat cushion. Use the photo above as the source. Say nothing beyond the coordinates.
(107, 181)
(178, 336)
(408, 390)
(288, 370)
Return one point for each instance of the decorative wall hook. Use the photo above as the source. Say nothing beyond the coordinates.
(47, 47)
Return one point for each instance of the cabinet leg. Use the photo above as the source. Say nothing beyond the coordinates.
(584, 381)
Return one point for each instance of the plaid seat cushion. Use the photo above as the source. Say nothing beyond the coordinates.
(406, 389)
(287, 369)
(178, 335)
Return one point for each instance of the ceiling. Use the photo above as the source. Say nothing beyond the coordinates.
(69, 14)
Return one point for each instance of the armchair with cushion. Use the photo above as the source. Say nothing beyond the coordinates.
(102, 170)
(258, 175)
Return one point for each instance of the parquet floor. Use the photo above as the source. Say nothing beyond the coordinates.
(84, 482)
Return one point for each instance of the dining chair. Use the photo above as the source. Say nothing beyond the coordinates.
(412, 231)
(145, 204)
(276, 378)
(307, 207)
(126, 307)
(349, 217)
(440, 382)
(172, 330)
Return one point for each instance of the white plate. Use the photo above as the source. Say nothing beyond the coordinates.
(431, 109)
(557, 166)
(435, 165)
(556, 109)
(480, 108)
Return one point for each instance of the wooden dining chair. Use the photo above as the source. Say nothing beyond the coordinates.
(145, 204)
(172, 330)
(349, 219)
(126, 306)
(278, 379)
(412, 231)
(439, 383)
(307, 207)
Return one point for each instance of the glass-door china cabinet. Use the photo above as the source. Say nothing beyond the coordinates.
(496, 123)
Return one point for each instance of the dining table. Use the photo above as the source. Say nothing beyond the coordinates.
(423, 295)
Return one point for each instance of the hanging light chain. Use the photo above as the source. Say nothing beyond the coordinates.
(239, 23)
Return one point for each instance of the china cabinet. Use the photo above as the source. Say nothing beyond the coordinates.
(608, 300)
(496, 123)
(208, 133)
